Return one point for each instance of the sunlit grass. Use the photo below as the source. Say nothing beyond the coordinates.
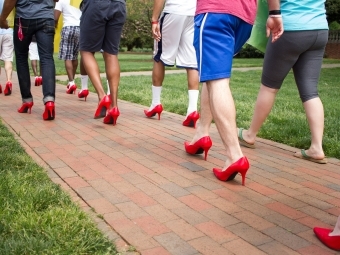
(287, 122)
(36, 216)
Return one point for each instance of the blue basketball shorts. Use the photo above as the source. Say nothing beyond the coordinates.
(217, 38)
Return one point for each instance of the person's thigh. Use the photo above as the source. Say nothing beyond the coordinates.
(7, 47)
(92, 24)
(308, 66)
(215, 41)
(186, 56)
(114, 27)
(171, 26)
(45, 38)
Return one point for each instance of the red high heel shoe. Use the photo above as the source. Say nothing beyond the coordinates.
(112, 116)
(40, 80)
(332, 242)
(8, 88)
(191, 119)
(83, 93)
(202, 145)
(156, 110)
(26, 107)
(71, 89)
(49, 113)
(103, 107)
(240, 166)
(36, 81)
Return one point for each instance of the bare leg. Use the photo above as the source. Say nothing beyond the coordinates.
(92, 70)
(224, 113)
(112, 69)
(206, 116)
(75, 66)
(264, 104)
(315, 115)
(158, 72)
(8, 70)
(81, 67)
(34, 67)
(193, 81)
(71, 68)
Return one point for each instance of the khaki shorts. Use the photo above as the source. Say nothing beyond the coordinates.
(6, 47)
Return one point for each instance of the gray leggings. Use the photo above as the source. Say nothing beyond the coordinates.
(301, 51)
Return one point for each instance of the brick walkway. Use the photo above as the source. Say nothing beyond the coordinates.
(154, 197)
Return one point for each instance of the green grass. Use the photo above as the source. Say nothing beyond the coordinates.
(144, 62)
(36, 216)
(287, 122)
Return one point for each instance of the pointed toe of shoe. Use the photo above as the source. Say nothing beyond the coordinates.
(332, 242)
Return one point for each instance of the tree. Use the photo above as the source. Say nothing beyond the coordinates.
(333, 10)
(137, 28)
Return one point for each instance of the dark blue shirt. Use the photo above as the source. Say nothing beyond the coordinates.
(35, 9)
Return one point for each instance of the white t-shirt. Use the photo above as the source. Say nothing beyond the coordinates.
(180, 7)
(71, 15)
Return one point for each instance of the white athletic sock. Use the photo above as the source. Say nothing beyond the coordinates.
(71, 82)
(108, 87)
(84, 81)
(156, 96)
(193, 99)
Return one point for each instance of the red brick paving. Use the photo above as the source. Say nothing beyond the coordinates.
(152, 196)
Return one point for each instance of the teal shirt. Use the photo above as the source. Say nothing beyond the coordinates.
(303, 15)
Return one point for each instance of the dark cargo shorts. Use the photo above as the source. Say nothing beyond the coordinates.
(101, 25)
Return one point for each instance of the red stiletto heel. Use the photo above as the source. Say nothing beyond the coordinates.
(156, 110)
(49, 113)
(26, 107)
(202, 145)
(332, 242)
(191, 119)
(112, 116)
(240, 166)
(83, 93)
(71, 89)
(0, 89)
(103, 107)
(8, 88)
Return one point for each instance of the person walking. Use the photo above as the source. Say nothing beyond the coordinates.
(69, 43)
(33, 17)
(221, 29)
(173, 32)
(301, 48)
(101, 26)
(6, 55)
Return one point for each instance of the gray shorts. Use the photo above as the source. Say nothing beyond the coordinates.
(301, 51)
(101, 25)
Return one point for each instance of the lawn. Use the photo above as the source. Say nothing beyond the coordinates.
(36, 215)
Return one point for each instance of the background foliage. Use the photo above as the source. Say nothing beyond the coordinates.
(137, 29)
